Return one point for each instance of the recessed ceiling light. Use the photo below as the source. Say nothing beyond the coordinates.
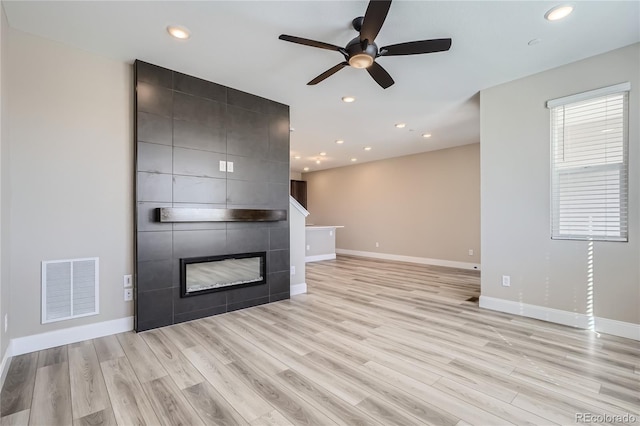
(354, 159)
(400, 125)
(558, 12)
(339, 141)
(306, 169)
(297, 157)
(317, 161)
(178, 32)
(426, 135)
(348, 99)
(323, 153)
(367, 148)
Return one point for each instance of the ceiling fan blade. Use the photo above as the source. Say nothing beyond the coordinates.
(416, 47)
(328, 73)
(380, 75)
(373, 19)
(312, 43)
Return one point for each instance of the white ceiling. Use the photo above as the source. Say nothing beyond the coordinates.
(235, 43)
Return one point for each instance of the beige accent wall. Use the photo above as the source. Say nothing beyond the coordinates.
(71, 173)
(5, 227)
(515, 156)
(424, 205)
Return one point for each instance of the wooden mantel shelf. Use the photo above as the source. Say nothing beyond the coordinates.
(183, 214)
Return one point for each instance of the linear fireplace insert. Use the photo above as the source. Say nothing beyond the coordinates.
(199, 275)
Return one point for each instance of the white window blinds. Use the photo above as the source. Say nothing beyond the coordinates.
(589, 163)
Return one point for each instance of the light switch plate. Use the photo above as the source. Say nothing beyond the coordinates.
(223, 166)
(230, 166)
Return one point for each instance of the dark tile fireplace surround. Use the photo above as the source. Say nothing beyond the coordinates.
(184, 128)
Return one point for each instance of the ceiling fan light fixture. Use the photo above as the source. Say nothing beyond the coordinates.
(558, 12)
(178, 32)
(361, 60)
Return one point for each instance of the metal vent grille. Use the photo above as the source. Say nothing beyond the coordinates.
(69, 289)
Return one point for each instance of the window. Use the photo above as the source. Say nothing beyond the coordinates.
(589, 163)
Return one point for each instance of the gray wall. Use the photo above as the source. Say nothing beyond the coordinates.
(185, 127)
(71, 180)
(516, 202)
(5, 227)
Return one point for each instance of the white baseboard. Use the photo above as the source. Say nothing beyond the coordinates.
(51, 339)
(411, 259)
(319, 257)
(572, 319)
(618, 328)
(298, 289)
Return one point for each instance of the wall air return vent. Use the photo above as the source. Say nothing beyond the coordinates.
(69, 289)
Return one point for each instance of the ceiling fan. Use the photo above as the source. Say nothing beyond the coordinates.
(362, 51)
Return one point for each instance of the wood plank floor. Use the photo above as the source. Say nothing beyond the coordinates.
(372, 343)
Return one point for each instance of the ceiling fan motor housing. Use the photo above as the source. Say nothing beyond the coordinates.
(361, 54)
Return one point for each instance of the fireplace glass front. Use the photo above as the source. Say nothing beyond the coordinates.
(213, 273)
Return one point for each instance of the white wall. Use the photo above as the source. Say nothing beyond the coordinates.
(516, 202)
(297, 215)
(71, 173)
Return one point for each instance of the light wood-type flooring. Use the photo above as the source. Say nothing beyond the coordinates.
(373, 342)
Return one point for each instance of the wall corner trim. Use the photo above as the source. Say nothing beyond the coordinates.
(410, 259)
(298, 206)
(298, 289)
(571, 319)
(51, 339)
(4, 365)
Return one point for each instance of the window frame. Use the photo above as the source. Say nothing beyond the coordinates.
(556, 173)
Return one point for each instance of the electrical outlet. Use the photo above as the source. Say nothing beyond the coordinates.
(230, 166)
(308, 247)
(506, 281)
(6, 322)
(128, 294)
(470, 252)
(223, 166)
(127, 281)
(293, 270)
(377, 244)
